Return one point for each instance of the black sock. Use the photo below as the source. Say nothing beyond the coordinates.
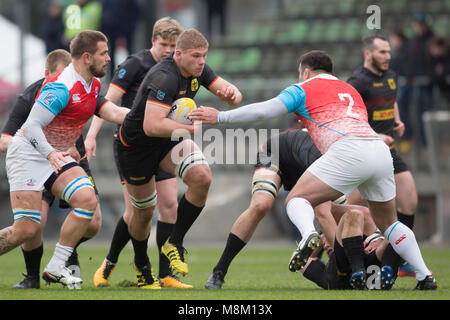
(233, 247)
(407, 220)
(186, 215)
(163, 231)
(84, 239)
(33, 261)
(354, 250)
(120, 239)
(140, 252)
(391, 258)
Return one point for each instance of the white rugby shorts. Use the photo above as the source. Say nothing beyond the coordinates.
(26, 168)
(352, 163)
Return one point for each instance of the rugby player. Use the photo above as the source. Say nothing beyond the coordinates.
(377, 85)
(353, 155)
(37, 157)
(124, 85)
(281, 162)
(348, 255)
(33, 249)
(147, 142)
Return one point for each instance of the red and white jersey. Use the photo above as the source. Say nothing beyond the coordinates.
(67, 126)
(329, 108)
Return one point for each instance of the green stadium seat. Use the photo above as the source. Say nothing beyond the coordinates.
(216, 59)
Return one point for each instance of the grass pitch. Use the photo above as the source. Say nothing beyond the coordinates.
(256, 274)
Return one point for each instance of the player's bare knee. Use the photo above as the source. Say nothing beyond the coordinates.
(353, 217)
(199, 177)
(260, 205)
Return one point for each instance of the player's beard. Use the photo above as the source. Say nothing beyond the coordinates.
(379, 66)
(97, 71)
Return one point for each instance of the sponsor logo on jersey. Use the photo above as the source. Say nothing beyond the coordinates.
(383, 114)
(160, 95)
(121, 73)
(76, 98)
(49, 99)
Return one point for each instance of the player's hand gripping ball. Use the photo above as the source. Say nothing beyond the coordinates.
(181, 109)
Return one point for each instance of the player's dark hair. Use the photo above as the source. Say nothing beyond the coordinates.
(86, 41)
(55, 57)
(367, 41)
(316, 60)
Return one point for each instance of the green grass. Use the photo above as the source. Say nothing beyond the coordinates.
(256, 274)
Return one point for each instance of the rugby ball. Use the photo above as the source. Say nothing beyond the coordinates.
(181, 109)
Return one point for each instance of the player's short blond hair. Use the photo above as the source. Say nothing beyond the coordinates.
(55, 57)
(191, 39)
(167, 28)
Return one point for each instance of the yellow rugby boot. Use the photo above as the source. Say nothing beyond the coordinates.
(146, 278)
(103, 274)
(175, 254)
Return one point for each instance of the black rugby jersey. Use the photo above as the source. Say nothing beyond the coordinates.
(163, 84)
(379, 94)
(296, 153)
(129, 75)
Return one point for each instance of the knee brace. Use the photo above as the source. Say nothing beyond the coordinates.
(144, 203)
(34, 215)
(192, 159)
(74, 186)
(264, 185)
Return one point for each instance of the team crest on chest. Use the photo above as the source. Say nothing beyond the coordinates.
(194, 84)
(391, 83)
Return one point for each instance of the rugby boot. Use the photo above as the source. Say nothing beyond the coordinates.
(146, 278)
(172, 281)
(429, 283)
(215, 280)
(387, 278)
(175, 254)
(62, 275)
(74, 265)
(358, 280)
(303, 251)
(28, 283)
(103, 274)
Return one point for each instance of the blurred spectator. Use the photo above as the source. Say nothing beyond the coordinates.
(440, 67)
(53, 29)
(216, 9)
(420, 66)
(82, 15)
(118, 23)
(400, 64)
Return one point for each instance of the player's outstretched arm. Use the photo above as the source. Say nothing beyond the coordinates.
(113, 113)
(249, 113)
(90, 143)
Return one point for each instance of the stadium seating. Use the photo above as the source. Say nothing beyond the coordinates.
(269, 48)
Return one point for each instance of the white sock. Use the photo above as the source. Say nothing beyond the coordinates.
(60, 256)
(404, 242)
(301, 213)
